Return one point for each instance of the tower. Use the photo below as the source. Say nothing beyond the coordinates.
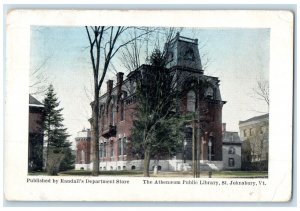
(183, 52)
(83, 149)
(200, 96)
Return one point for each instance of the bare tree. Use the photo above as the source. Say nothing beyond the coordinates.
(104, 43)
(255, 149)
(38, 80)
(261, 91)
(137, 53)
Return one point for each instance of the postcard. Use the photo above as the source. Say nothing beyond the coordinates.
(137, 105)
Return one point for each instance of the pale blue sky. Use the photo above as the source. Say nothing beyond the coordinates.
(239, 57)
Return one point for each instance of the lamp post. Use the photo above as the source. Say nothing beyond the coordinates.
(194, 147)
(209, 154)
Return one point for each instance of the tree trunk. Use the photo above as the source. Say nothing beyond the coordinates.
(95, 135)
(147, 161)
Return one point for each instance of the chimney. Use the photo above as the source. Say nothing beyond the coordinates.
(177, 35)
(223, 127)
(110, 84)
(120, 78)
(119, 87)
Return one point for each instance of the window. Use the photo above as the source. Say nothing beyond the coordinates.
(262, 130)
(251, 131)
(209, 93)
(132, 167)
(120, 146)
(245, 133)
(122, 109)
(231, 162)
(104, 149)
(211, 149)
(124, 146)
(191, 101)
(231, 150)
(189, 55)
(112, 149)
(110, 114)
(101, 150)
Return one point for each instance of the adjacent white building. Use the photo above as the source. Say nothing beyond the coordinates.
(232, 150)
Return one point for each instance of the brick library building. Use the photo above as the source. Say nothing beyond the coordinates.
(118, 105)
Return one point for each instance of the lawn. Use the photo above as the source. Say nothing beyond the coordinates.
(203, 174)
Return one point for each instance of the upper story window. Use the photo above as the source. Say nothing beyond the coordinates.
(263, 129)
(122, 109)
(209, 93)
(245, 133)
(251, 131)
(189, 55)
(112, 115)
(231, 150)
(191, 101)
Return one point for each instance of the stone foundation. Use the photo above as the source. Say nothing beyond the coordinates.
(162, 165)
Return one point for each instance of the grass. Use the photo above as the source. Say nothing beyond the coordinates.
(126, 173)
(240, 174)
(102, 173)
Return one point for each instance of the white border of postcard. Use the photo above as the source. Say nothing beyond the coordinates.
(278, 185)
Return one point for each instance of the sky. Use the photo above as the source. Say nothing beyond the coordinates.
(238, 56)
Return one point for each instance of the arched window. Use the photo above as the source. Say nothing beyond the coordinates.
(112, 149)
(124, 142)
(231, 150)
(191, 101)
(211, 148)
(122, 110)
(252, 131)
(209, 93)
(120, 146)
(112, 115)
